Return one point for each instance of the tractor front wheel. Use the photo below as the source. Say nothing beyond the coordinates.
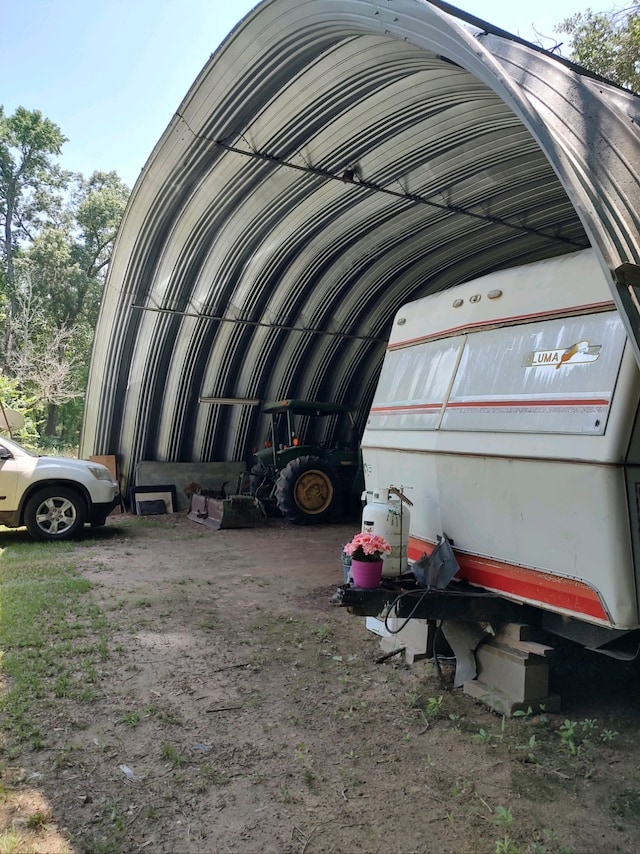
(307, 491)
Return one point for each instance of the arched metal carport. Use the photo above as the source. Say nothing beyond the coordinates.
(334, 159)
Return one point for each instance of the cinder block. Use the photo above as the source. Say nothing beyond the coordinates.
(379, 627)
(415, 635)
(416, 638)
(504, 705)
(390, 643)
(513, 676)
(519, 674)
(515, 632)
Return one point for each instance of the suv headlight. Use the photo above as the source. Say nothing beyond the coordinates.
(100, 472)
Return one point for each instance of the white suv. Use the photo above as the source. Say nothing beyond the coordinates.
(52, 496)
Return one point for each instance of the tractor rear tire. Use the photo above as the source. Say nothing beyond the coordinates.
(307, 491)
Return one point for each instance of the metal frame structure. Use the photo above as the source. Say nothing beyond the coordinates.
(333, 160)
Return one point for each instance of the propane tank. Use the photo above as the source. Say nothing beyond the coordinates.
(385, 514)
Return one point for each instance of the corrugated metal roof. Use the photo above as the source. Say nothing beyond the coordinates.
(249, 263)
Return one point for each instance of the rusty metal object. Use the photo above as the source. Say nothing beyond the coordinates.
(235, 511)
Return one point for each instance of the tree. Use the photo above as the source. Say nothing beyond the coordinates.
(30, 182)
(60, 279)
(607, 43)
(68, 261)
(57, 231)
(101, 205)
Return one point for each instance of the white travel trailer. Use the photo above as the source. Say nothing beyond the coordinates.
(507, 408)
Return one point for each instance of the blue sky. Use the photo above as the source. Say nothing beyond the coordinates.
(111, 73)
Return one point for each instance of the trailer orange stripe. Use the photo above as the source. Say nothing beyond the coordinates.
(405, 407)
(520, 582)
(516, 319)
(468, 404)
(416, 408)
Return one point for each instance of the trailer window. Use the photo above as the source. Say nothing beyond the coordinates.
(555, 376)
(413, 385)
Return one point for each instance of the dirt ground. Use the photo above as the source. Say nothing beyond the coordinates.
(241, 712)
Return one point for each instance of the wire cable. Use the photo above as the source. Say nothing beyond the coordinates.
(394, 605)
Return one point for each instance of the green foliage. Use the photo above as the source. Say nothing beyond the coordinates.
(56, 237)
(433, 706)
(577, 735)
(102, 201)
(171, 754)
(28, 174)
(503, 815)
(12, 396)
(482, 736)
(507, 846)
(607, 43)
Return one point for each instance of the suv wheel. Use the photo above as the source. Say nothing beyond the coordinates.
(307, 491)
(54, 513)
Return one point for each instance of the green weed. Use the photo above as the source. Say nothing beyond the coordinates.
(37, 821)
(10, 841)
(503, 815)
(305, 760)
(171, 754)
(507, 846)
(576, 735)
(433, 706)
(323, 633)
(482, 736)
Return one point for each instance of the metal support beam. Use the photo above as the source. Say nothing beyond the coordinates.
(455, 602)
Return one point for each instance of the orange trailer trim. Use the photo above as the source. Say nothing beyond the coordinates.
(528, 585)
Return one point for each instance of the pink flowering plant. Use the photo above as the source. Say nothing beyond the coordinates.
(367, 547)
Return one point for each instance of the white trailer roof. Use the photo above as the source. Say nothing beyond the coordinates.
(333, 160)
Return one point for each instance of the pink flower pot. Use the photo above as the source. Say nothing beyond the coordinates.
(366, 573)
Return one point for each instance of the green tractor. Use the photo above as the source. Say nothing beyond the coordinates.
(307, 483)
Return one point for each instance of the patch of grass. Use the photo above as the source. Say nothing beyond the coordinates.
(209, 775)
(116, 817)
(503, 815)
(507, 846)
(430, 706)
(164, 714)
(578, 735)
(37, 821)
(52, 635)
(171, 754)
(323, 633)
(305, 761)
(287, 796)
(627, 804)
(10, 841)
(254, 699)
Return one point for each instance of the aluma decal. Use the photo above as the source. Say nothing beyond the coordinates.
(579, 353)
